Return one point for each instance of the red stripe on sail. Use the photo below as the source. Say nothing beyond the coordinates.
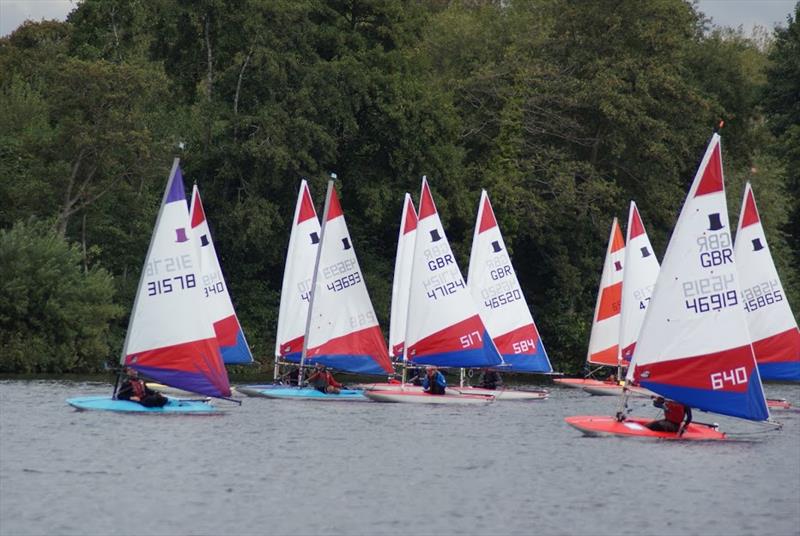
(307, 210)
(750, 215)
(367, 342)
(334, 208)
(227, 329)
(292, 346)
(610, 301)
(711, 181)
(488, 220)
(605, 357)
(636, 224)
(198, 214)
(411, 218)
(782, 347)
(728, 371)
(505, 343)
(617, 242)
(449, 339)
(426, 206)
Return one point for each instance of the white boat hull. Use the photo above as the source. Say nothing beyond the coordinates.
(616, 390)
(418, 397)
(503, 394)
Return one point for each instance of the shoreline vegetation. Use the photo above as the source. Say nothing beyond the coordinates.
(564, 111)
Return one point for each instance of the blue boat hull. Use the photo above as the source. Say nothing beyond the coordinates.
(173, 407)
(303, 394)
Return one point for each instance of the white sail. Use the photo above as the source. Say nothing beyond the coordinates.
(604, 338)
(170, 337)
(773, 328)
(640, 272)
(342, 329)
(444, 327)
(218, 305)
(299, 268)
(402, 278)
(497, 293)
(694, 345)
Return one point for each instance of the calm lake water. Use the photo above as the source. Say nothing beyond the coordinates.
(292, 467)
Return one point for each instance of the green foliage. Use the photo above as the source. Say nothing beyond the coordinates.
(782, 107)
(54, 311)
(562, 110)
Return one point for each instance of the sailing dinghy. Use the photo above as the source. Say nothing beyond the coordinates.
(297, 275)
(640, 271)
(496, 291)
(402, 279)
(604, 337)
(773, 328)
(443, 326)
(295, 289)
(694, 346)
(232, 343)
(170, 338)
(342, 330)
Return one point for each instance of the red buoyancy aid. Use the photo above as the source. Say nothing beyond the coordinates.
(137, 386)
(674, 412)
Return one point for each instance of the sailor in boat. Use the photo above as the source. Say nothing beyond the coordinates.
(674, 415)
(322, 380)
(434, 382)
(135, 390)
(490, 379)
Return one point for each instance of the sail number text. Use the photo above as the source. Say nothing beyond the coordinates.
(736, 376)
(710, 293)
(447, 279)
(471, 339)
(523, 346)
(213, 284)
(761, 295)
(344, 282)
(168, 264)
(502, 299)
(164, 286)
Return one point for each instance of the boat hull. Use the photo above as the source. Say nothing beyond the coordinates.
(616, 390)
(173, 407)
(503, 394)
(778, 403)
(293, 393)
(634, 427)
(173, 392)
(580, 383)
(418, 397)
(499, 394)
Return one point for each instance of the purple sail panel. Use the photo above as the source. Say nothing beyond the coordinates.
(176, 190)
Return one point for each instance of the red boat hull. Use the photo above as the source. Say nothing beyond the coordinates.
(634, 427)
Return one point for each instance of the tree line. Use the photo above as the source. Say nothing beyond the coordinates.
(562, 110)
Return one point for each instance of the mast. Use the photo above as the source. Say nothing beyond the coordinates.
(314, 278)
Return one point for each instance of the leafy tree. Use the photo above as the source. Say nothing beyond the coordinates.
(782, 107)
(54, 312)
